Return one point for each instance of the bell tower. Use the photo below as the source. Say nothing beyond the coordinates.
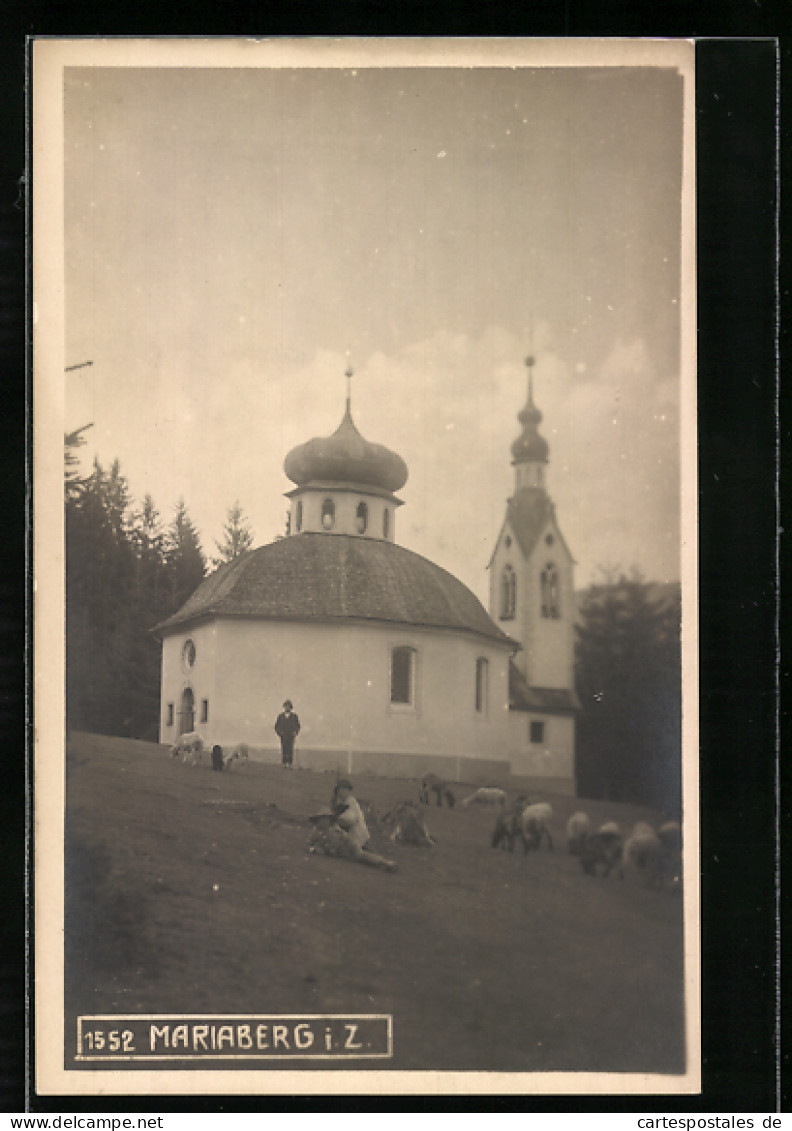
(531, 570)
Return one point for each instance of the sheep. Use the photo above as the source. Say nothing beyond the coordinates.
(577, 831)
(534, 822)
(238, 754)
(509, 825)
(486, 795)
(605, 848)
(610, 827)
(189, 747)
(431, 783)
(643, 852)
(407, 825)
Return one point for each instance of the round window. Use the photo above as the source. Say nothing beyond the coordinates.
(188, 653)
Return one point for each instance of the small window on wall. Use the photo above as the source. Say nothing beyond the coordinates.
(508, 593)
(403, 676)
(482, 684)
(204, 710)
(169, 716)
(298, 516)
(188, 654)
(386, 523)
(328, 514)
(549, 591)
(537, 732)
(361, 518)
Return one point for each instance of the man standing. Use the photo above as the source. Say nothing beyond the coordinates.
(287, 727)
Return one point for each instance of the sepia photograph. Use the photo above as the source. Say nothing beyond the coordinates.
(365, 566)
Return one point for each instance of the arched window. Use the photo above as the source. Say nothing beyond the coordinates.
(386, 523)
(188, 654)
(298, 516)
(550, 591)
(482, 684)
(403, 675)
(361, 518)
(508, 593)
(328, 514)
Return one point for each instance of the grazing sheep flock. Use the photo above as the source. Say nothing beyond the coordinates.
(651, 855)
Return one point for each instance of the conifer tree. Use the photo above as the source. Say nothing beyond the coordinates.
(628, 679)
(184, 557)
(238, 537)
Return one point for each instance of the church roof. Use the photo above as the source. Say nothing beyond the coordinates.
(544, 700)
(345, 457)
(334, 578)
(528, 512)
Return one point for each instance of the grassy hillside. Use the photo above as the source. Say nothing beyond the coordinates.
(193, 892)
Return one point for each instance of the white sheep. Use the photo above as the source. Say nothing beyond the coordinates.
(189, 747)
(610, 828)
(643, 853)
(535, 820)
(486, 795)
(577, 830)
(238, 754)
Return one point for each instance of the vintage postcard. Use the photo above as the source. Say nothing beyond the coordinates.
(365, 567)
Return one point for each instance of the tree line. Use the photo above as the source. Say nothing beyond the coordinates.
(126, 571)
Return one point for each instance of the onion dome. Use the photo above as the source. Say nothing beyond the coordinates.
(345, 457)
(530, 445)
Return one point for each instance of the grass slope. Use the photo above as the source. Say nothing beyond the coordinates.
(190, 891)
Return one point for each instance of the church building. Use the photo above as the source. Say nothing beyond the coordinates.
(393, 665)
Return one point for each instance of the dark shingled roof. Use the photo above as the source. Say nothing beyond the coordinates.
(337, 577)
(549, 700)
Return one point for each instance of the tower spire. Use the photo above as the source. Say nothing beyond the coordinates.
(349, 373)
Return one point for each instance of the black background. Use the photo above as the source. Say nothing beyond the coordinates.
(740, 307)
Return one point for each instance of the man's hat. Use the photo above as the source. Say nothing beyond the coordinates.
(344, 783)
(288, 704)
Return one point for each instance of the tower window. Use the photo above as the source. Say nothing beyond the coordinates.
(328, 514)
(550, 591)
(298, 516)
(482, 684)
(537, 731)
(361, 518)
(508, 593)
(188, 654)
(386, 523)
(403, 675)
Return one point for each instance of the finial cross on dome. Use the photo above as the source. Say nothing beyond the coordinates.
(349, 373)
(530, 361)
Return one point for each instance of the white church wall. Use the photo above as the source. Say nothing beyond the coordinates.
(338, 677)
(549, 763)
(178, 675)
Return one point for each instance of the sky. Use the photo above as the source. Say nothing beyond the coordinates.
(235, 238)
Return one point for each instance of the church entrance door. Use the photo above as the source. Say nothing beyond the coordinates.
(187, 712)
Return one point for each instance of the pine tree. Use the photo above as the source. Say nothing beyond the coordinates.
(73, 481)
(238, 536)
(628, 678)
(184, 557)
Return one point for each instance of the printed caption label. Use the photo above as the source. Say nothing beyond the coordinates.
(257, 1036)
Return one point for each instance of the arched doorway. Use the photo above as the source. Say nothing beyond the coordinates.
(187, 712)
